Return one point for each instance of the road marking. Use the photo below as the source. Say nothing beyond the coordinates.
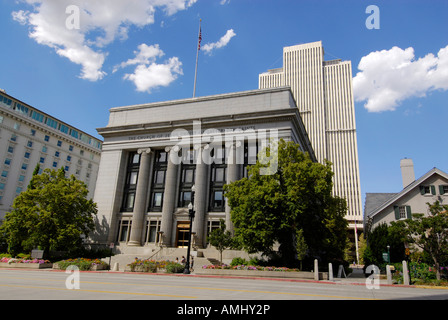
(183, 287)
(100, 291)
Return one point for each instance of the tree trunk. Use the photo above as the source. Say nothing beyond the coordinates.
(437, 265)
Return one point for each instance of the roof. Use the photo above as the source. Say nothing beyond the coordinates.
(374, 202)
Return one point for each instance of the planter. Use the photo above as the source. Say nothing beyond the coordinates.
(96, 267)
(26, 265)
(262, 274)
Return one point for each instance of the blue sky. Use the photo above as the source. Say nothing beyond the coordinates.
(140, 51)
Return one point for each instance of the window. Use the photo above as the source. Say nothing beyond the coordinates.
(55, 164)
(69, 158)
(212, 225)
(70, 148)
(51, 123)
(21, 108)
(187, 181)
(14, 138)
(443, 189)
(42, 160)
(63, 128)
(44, 149)
(27, 155)
(428, 190)
(158, 180)
(217, 181)
(29, 144)
(59, 143)
(10, 149)
(37, 116)
(124, 229)
(8, 162)
(24, 166)
(152, 231)
(47, 138)
(4, 174)
(131, 182)
(402, 212)
(56, 154)
(250, 155)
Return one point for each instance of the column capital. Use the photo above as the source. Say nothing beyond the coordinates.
(144, 150)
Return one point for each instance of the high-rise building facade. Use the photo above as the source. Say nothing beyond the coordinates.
(324, 95)
(29, 137)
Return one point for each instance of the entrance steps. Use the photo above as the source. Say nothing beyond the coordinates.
(125, 255)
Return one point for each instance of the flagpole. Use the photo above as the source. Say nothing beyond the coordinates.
(197, 57)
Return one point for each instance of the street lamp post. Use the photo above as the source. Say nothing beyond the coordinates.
(191, 213)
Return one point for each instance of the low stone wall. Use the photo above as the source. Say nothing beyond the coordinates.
(262, 274)
(26, 265)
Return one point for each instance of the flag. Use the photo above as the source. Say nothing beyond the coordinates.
(200, 39)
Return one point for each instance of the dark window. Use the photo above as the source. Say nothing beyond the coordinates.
(158, 181)
(217, 180)
(131, 182)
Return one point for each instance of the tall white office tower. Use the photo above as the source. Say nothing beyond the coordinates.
(324, 95)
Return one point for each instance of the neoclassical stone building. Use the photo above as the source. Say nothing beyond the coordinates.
(157, 157)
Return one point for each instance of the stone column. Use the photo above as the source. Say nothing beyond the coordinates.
(200, 196)
(169, 200)
(141, 195)
(233, 174)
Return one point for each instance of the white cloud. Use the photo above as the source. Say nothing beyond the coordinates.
(388, 77)
(209, 47)
(101, 22)
(223, 2)
(21, 17)
(148, 74)
(145, 55)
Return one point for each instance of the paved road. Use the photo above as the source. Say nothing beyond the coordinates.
(52, 285)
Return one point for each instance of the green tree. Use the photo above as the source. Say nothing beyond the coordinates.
(271, 208)
(53, 213)
(221, 239)
(377, 241)
(429, 233)
(301, 247)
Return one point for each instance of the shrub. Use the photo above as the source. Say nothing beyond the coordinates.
(173, 267)
(82, 263)
(238, 261)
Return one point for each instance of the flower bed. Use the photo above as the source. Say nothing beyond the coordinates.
(82, 263)
(254, 268)
(153, 266)
(25, 263)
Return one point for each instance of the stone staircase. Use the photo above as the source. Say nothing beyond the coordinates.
(123, 259)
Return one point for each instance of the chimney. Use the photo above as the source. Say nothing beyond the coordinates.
(407, 171)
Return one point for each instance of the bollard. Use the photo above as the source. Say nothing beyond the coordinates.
(316, 270)
(116, 267)
(406, 281)
(389, 274)
(330, 272)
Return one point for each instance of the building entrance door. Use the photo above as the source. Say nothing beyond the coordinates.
(183, 228)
